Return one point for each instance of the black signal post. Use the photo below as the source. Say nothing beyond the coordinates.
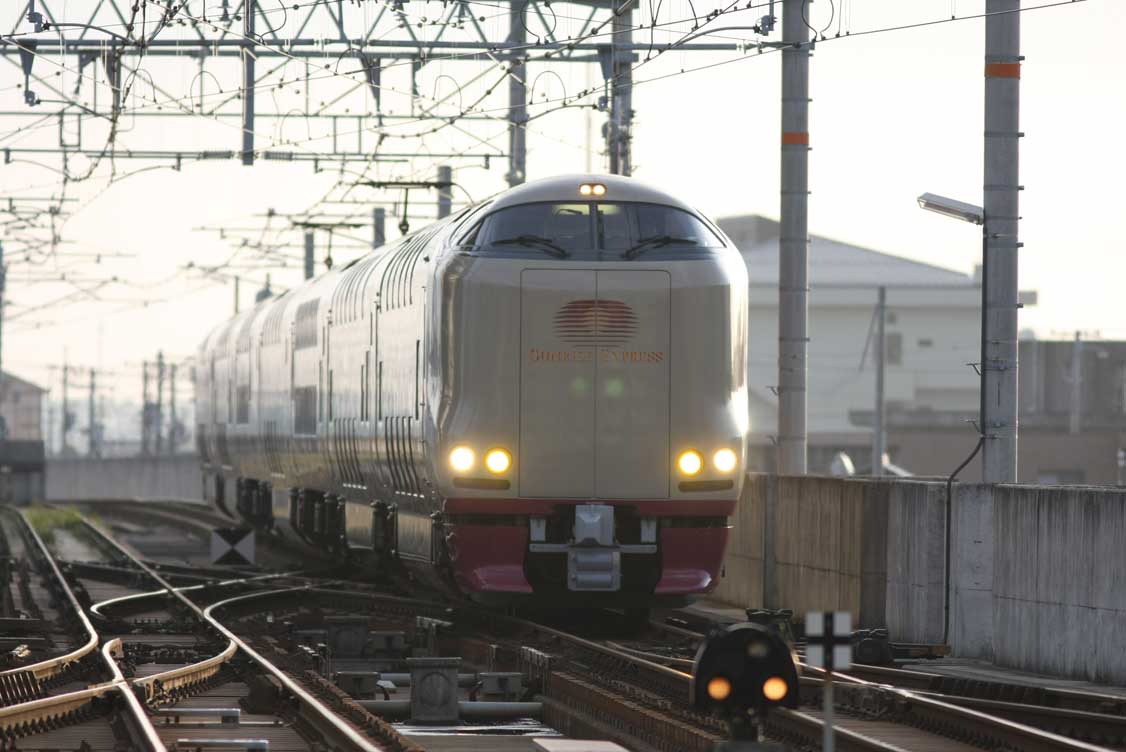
(741, 673)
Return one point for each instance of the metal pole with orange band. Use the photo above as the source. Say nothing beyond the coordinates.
(1002, 214)
(793, 250)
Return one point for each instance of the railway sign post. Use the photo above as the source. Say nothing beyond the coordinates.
(232, 546)
(828, 645)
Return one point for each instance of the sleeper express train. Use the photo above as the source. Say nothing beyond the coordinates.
(542, 397)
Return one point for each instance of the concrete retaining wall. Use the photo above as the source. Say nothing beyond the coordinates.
(82, 478)
(1059, 581)
(1038, 574)
(916, 556)
(809, 544)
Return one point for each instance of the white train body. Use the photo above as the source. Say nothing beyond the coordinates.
(372, 409)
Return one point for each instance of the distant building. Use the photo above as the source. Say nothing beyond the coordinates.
(21, 441)
(21, 409)
(933, 324)
(1072, 403)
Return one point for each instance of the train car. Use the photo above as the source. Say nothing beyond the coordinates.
(542, 397)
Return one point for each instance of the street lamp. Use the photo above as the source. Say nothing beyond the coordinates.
(948, 207)
(973, 214)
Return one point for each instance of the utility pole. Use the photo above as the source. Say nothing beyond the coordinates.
(310, 261)
(445, 191)
(879, 434)
(145, 408)
(621, 90)
(517, 93)
(3, 283)
(92, 417)
(378, 227)
(248, 57)
(174, 427)
(1002, 215)
(66, 407)
(793, 244)
(1075, 422)
(158, 416)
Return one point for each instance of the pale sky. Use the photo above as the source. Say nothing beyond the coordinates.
(893, 115)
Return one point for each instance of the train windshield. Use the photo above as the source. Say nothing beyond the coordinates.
(565, 229)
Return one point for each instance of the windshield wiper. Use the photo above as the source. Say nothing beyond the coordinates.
(535, 241)
(657, 241)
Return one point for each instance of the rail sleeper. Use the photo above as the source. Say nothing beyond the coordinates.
(576, 707)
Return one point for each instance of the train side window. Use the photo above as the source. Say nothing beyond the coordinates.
(417, 346)
(379, 393)
(330, 394)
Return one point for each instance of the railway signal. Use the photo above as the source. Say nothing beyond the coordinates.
(741, 672)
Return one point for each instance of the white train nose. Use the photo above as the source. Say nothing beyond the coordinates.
(594, 384)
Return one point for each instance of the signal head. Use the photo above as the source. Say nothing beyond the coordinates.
(744, 668)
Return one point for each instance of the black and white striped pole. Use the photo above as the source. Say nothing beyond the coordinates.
(828, 645)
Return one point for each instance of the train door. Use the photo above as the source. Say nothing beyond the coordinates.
(594, 384)
(632, 385)
(557, 381)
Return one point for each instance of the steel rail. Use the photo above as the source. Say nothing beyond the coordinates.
(781, 722)
(327, 718)
(929, 711)
(143, 725)
(32, 713)
(193, 673)
(45, 669)
(100, 607)
(992, 689)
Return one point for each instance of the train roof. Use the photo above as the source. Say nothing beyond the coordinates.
(566, 188)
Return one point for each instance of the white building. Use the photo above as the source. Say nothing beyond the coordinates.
(933, 333)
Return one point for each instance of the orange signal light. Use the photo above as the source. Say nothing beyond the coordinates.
(775, 688)
(719, 688)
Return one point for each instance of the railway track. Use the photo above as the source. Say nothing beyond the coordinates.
(623, 688)
(28, 707)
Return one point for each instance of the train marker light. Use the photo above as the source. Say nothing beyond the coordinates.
(498, 461)
(725, 460)
(741, 673)
(690, 462)
(461, 459)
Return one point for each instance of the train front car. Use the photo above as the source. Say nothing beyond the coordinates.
(591, 404)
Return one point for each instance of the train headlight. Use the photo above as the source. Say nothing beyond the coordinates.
(586, 189)
(461, 459)
(690, 462)
(498, 461)
(725, 460)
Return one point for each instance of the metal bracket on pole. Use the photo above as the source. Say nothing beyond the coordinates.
(27, 59)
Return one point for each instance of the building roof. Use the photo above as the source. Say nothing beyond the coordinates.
(832, 263)
(14, 380)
